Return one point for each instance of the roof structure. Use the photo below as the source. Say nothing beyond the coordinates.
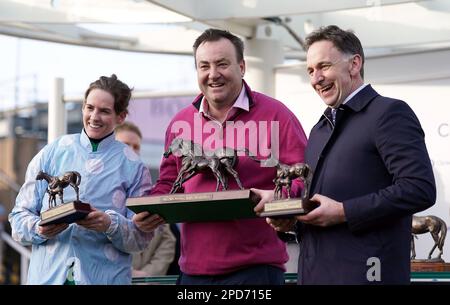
(170, 26)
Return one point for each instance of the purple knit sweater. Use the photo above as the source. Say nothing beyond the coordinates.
(214, 248)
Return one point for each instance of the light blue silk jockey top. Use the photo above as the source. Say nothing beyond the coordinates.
(108, 176)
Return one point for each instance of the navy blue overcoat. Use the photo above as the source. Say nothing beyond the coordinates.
(375, 161)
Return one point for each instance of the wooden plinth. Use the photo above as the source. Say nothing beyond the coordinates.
(424, 266)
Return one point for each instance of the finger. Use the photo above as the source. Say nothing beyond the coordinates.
(43, 231)
(151, 219)
(93, 215)
(140, 216)
(286, 225)
(317, 198)
(272, 222)
(155, 222)
(90, 227)
(48, 229)
(160, 222)
(259, 207)
(264, 195)
(314, 217)
(61, 227)
(256, 191)
(305, 218)
(152, 226)
(53, 230)
(82, 222)
(57, 231)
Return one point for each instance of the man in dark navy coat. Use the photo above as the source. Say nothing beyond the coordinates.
(371, 173)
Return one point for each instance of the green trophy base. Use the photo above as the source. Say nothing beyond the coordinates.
(198, 207)
(65, 213)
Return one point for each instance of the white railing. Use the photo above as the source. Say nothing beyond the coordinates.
(9, 181)
(25, 255)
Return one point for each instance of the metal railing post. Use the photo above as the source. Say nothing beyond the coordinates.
(56, 111)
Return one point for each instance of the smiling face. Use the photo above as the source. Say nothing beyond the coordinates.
(219, 72)
(333, 74)
(130, 138)
(99, 117)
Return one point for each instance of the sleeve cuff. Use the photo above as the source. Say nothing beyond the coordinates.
(114, 222)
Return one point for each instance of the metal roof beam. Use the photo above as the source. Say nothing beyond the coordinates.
(202, 10)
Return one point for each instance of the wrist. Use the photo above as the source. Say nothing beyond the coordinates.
(341, 212)
(113, 222)
(108, 222)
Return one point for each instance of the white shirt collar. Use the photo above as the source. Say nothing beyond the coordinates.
(354, 93)
(241, 102)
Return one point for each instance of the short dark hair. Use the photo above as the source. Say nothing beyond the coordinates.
(215, 35)
(119, 90)
(344, 41)
(128, 126)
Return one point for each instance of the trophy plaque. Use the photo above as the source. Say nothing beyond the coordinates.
(438, 230)
(68, 212)
(287, 207)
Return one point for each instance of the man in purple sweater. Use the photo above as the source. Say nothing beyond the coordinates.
(228, 114)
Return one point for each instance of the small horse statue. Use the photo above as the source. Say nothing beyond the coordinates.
(57, 184)
(286, 174)
(438, 229)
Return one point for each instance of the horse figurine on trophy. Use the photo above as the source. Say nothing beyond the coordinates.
(438, 230)
(286, 174)
(57, 184)
(194, 160)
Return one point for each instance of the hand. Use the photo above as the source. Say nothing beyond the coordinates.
(282, 225)
(51, 231)
(147, 222)
(138, 273)
(96, 220)
(329, 212)
(266, 196)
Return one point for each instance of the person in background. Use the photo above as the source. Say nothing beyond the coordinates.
(157, 257)
(96, 249)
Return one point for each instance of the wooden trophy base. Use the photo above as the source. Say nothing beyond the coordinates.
(287, 208)
(65, 213)
(198, 207)
(429, 266)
